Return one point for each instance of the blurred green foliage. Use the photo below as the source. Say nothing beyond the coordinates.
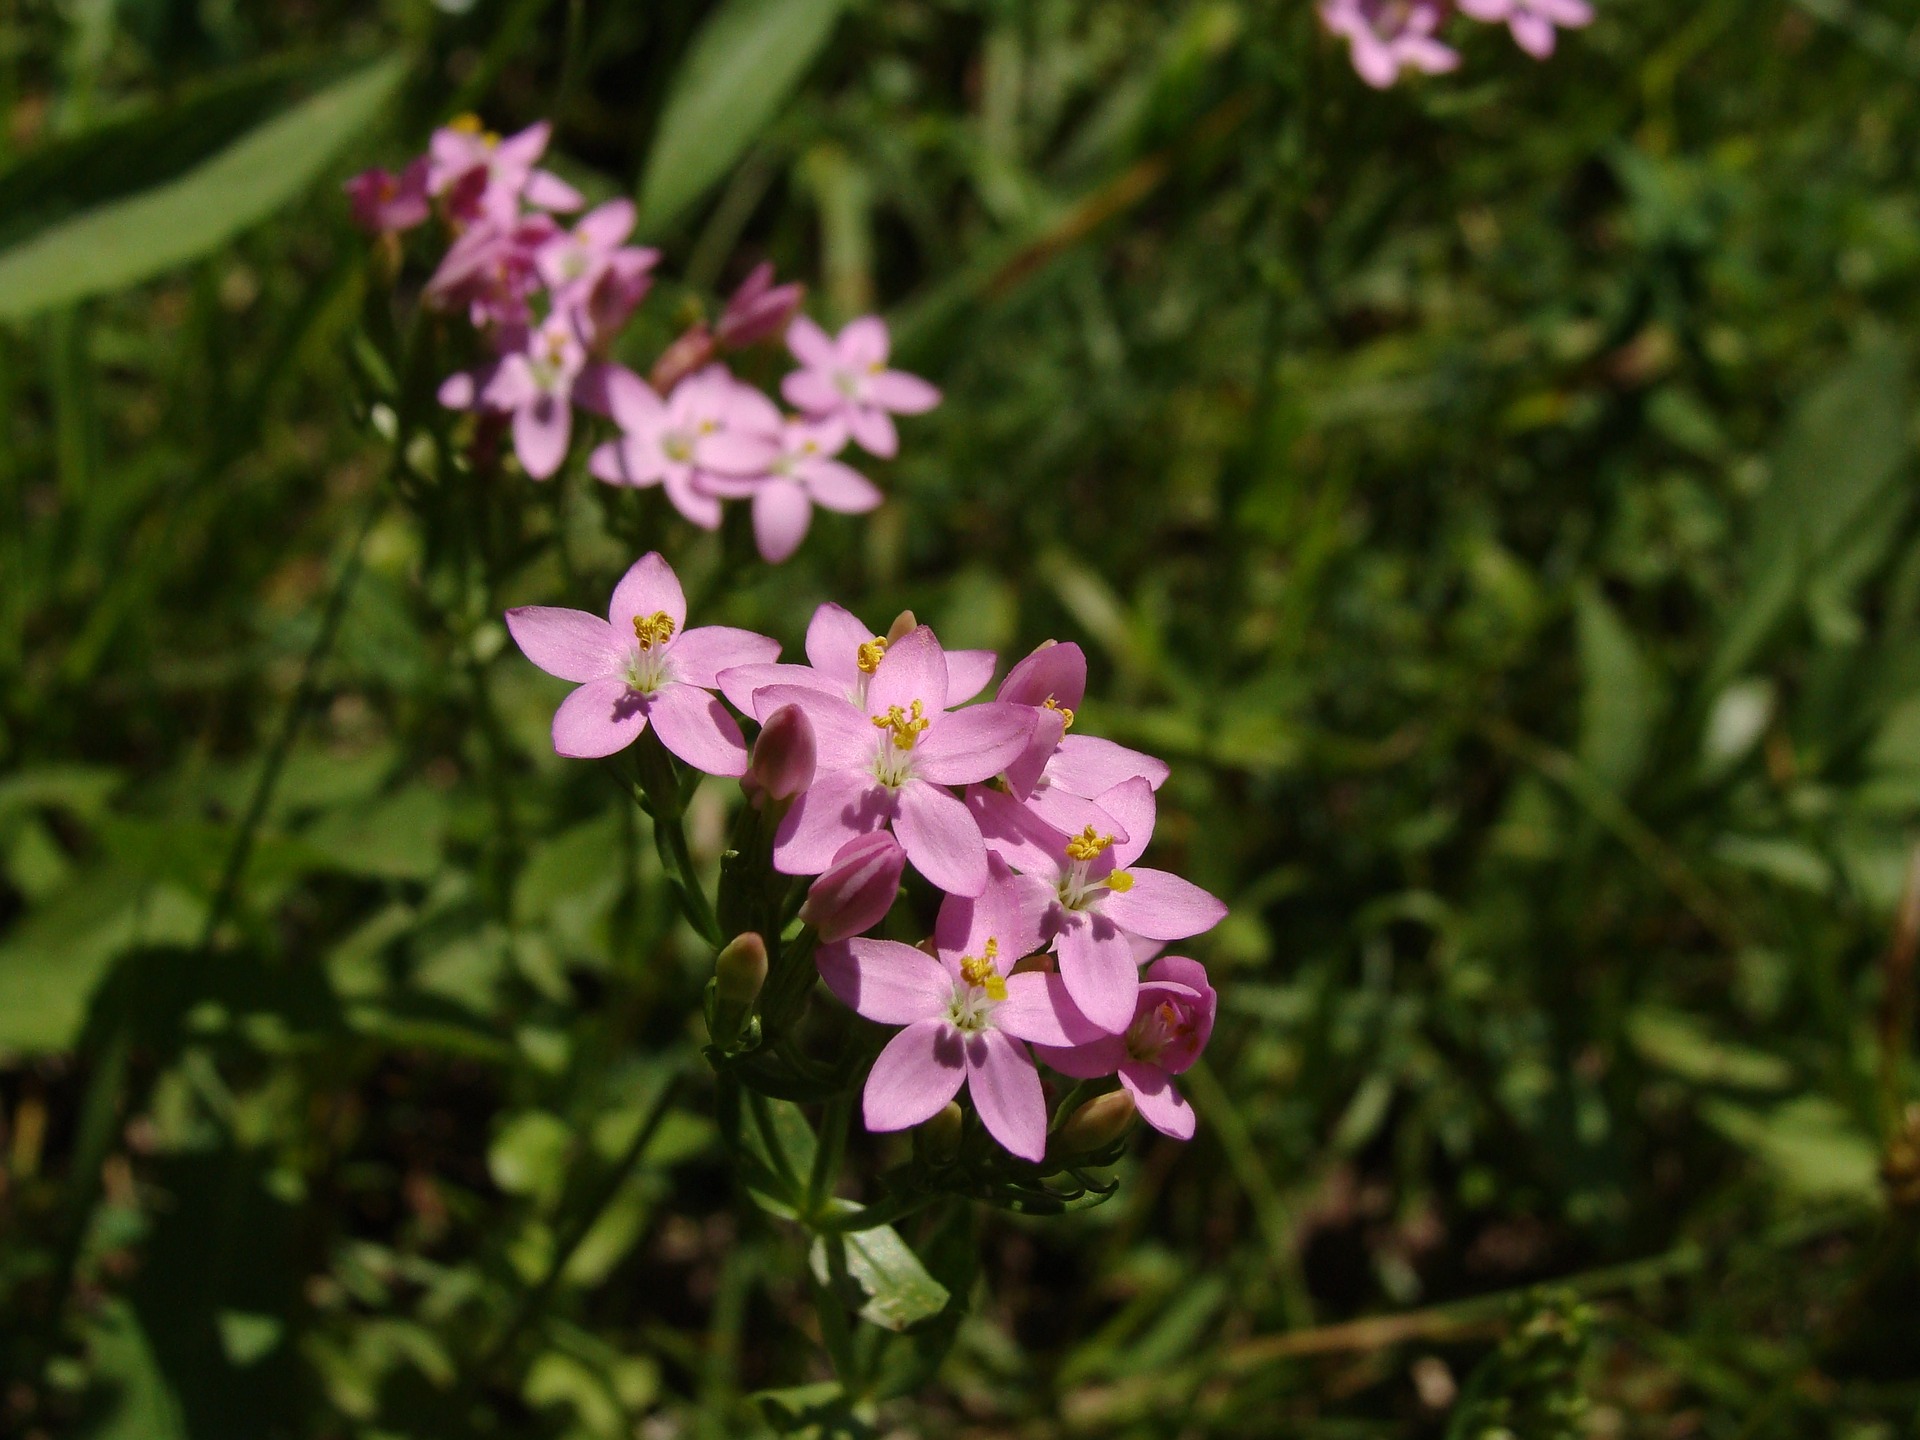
(1494, 496)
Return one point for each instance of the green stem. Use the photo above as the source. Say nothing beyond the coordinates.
(828, 1152)
(660, 789)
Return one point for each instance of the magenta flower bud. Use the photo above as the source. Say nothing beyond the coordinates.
(855, 892)
(690, 352)
(759, 310)
(783, 757)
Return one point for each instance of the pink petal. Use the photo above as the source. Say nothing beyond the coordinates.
(700, 654)
(572, 644)
(872, 431)
(1160, 1105)
(1089, 766)
(1569, 14)
(1006, 1091)
(839, 805)
(914, 668)
(605, 226)
(739, 453)
(968, 673)
(1069, 815)
(1097, 964)
(1025, 770)
(547, 191)
(1009, 913)
(1089, 1061)
(811, 392)
(810, 345)
(648, 588)
(599, 382)
(940, 838)
(902, 393)
(511, 385)
(1161, 906)
(600, 718)
(834, 638)
(1013, 832)
(625, 462)
(540, 434)
(843, 738)
(701, 509)
(633, 404)
(1053, 672)
(1038, 1008)
(886, 981)
(1131, 804)
(921, 1069)
(459, 391)
(968, 745)
(740, 684)
(696, 727)
(840, 487)
(1534, 34)
(864, 342)
(781, 514)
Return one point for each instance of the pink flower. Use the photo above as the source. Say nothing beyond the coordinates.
(385, 203)
(856, 891)
(493, 271)
(1050, 789)
(847, 378)
(1388, 36)
(573, 262)
(535, 386)
(965, 1017)
(796, 472)
(1100, 906)
(759, 310)
(639, 666)
(485, 177)
(886, 766)
(704, 430)
(1531, 21)
(1172, 1021)
(844, 654)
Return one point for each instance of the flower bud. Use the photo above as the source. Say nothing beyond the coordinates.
(903, 624)
(1097, 1124)
(759, 310)
(857, 889)
(783, 757)
(938, 1139)
(685, 355)
(738, 973)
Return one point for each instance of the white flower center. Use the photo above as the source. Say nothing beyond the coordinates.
(979, 989)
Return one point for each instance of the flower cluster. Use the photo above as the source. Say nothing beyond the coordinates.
(549, 299)
(1389, 36)
(877, 761)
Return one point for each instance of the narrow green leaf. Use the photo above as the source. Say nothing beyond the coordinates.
(1619, 701)
(876, 1272)
(745, 62)
(123, 241)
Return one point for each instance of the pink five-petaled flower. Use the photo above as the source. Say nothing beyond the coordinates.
(796, 473)
(535, 385)
(1531, 21)
(1098, 904)
(843, 655)
(640, 666)
(886, 766)
(1172, 1021)
(1052, 785)
(573, 261)
(847, 378)
(965, 1017)
(385, 203)
(681, 442)
(485, 177)
(1387, 36)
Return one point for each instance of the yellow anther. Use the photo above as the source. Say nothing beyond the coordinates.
(1120, 881)
(869, 654)
(981, 972)
(1086, 844)
(1066, 712)
(906, 727)
(652, 630)
(467, 124)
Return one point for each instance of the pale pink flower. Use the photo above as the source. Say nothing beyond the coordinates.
(886, 766)
(1100, 905)
(1172, 1021)
(1388, 36)
(573, 262)
(705, 428)
(486, 177)
(535, 385)
(843, 653)
(493, 271)
(759, 310)
(965, 1017)
(846, 377)
(1531, 22)
(796, 472)
(641, 667)
(385, 203)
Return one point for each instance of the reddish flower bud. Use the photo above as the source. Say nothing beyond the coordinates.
(685, 355)
(758, 311)
(857, 889)
(783, 757)
(1097, 1124)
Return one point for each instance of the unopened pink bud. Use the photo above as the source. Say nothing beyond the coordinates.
(783, 757)
(685, 355)
(857, 889)
(759, 310)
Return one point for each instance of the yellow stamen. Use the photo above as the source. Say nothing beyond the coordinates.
(1086, 844)
(467, 124)
(981, 972)
(1120, 881)
(1066, 712)
(652, 630)
(906, 728)
(869, 654)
